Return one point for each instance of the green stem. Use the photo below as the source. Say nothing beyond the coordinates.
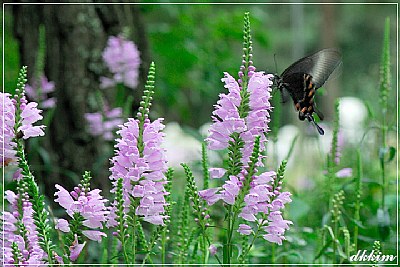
(273, 253)
(156, 234)
(205, 250)
(163, 242)
(383, 173)
(124, 246)
(134, 238)
(40, 215)
(358, 198)
(204, 161)
(334, 244)
(253, 240)
(227, 246)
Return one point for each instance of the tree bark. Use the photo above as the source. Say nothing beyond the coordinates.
(75, 37)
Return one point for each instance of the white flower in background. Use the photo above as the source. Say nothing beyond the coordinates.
(180, 146)
(352, 113)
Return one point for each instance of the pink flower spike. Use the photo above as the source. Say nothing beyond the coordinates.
(142, 173)
(123, 60)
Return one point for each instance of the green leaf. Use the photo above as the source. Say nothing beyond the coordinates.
(370, 110)
(383, 151)
(392, 153)
(324, 248)
(292, 144)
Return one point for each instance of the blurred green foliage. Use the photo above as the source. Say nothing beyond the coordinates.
(11, 55)
(194, 44)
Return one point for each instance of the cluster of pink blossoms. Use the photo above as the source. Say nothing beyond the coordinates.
(31, 252)
(39, 91)
(88, 204)
(123, 60)
(104, 125)
(142, 171)
(30, 114)
(91, 206)
(262, 198)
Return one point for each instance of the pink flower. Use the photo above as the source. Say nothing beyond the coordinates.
(106, 82)
(276, 227)
(39, 91)
(76, 249)
(104, 126)
(63, 225)
(64, 199)
(231, 189)
(210, 195)
(94, 235)
(123, 60)
(217, 172)
(91, 205)
(212, 249)
(144, 169)
(226, 116)
(30, 114)
(274, 238)
(264, 196)
(245, 229)
(344, 173)
(7, 120)
(227, 121)
(258, 117)
(28, 242)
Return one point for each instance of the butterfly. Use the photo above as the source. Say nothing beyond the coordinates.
(304, 77)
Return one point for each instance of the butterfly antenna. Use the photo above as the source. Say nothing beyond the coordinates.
(311, 119)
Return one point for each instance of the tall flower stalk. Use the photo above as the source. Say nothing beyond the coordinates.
(385, 87)
(138, 176)
(240, 125)
(384, 151)
(30, 219)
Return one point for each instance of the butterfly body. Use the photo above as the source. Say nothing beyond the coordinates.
(304, 77)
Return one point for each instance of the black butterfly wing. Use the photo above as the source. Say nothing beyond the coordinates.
(294, 85)
(319, 65)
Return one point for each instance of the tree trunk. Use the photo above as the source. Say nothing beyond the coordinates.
(75, 37)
